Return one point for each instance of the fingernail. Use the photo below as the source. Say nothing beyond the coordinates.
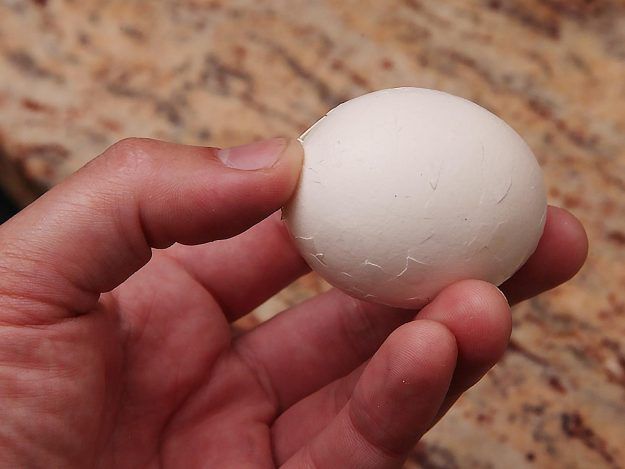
(257, 155)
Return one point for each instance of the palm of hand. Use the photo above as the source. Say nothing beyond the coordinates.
(153, 378)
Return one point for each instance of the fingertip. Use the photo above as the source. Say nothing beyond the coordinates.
(421, 345)
(432, 337)
(560, 254)
(279, 181)
(290, 162)
(478, 315)
(421, 353)
(295, 153)
(565, 230)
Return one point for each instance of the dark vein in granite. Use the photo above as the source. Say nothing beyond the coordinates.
(433, 19)
(528, 17)
(169, 107)
(579, 9)
(321, 88)
(26, 64)
(431, 456)
(544, 437)
(577, 136)
(446, 60)
(14, 176)
(574, 426)
(518, 348)
(221, 77)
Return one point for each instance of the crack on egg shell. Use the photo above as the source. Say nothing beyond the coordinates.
(370, 274)
(401, 274)
(314, 174)
(493, 233)
(505, 194)
(320, 257)
(501, 190)
(494, 255)
(311, 251)
(317, 258)
(307, 242)
(372, 269)
(544, 216)
(419, 299)
(416, 261)
(428, 203)
(411, 266)
(367, 262)
(433, 180)
(472, 241)
(425, 240)
(356, 291)
(482, 195)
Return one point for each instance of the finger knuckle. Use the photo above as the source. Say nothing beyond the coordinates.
(131, 155)
(129, 145)
(375, 430)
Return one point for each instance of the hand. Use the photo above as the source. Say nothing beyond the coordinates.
(109, 360)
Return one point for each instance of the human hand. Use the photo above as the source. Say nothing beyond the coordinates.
(109, 360)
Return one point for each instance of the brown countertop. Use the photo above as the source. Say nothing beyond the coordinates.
(76, 76)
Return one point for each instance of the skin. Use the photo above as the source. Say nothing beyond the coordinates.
(116, 348)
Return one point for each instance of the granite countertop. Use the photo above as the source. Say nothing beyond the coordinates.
(77, 76)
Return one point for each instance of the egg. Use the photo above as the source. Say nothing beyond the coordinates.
(405, 191)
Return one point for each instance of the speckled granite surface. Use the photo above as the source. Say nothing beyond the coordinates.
(77, 75)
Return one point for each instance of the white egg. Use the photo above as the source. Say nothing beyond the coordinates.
(405, 191)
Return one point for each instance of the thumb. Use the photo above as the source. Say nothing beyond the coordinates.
(90, 233)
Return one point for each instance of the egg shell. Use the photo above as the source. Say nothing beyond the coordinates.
(405, 191)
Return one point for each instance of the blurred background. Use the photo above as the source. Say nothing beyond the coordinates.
(75, 76)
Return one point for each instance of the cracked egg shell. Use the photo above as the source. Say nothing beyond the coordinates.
(405, 191)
